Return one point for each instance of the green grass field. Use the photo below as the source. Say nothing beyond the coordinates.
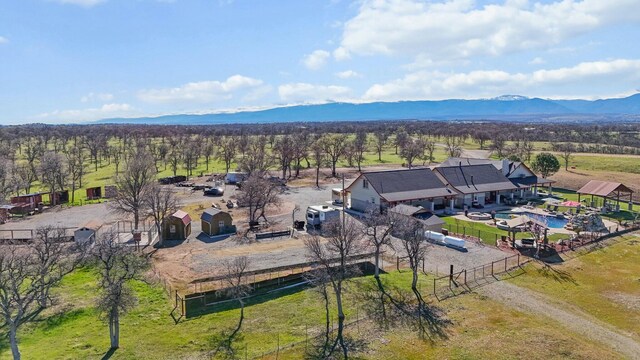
(604, 283)
(480, 328)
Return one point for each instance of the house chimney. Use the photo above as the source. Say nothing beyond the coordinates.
(505, 167)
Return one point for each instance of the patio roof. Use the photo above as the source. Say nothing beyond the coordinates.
(603, 188)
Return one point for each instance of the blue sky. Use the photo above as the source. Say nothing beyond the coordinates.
(65, 61)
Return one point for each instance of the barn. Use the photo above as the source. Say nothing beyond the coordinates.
(177, 226)
(217, 222)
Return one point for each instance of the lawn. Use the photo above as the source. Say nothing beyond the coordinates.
(480, 328)
(604, 283)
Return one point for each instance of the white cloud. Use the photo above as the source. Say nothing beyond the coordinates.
(83, 3)
(458, 29)
(488, 83)
(537, 61)
(201, 92)
(3, 40)
(303, 92)
(316, 59)
(89, 114)
(97, 97)
(348, 74)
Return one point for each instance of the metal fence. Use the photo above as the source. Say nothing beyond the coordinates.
(457, 282)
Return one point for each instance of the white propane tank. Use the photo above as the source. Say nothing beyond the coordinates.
(434, 236)
(454, 242)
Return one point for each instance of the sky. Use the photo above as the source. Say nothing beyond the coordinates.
(68, 61)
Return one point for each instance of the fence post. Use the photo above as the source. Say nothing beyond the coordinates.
(465, 276)
(518, 259)
(398, 263)
(505, 264)
(450, 275)
(492, 268)
(434, 287)
(278, 347)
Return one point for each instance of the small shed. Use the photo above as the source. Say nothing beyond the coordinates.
(217, 222)
(87, 232)
(177, 226)
(94, 193)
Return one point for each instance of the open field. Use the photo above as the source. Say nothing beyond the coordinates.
(604, 283)
(480, 328)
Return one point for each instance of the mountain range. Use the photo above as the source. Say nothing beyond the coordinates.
(505, 108)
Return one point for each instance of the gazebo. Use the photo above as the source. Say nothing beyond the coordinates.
(607, 190)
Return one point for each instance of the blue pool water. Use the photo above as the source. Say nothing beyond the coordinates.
(552, 221)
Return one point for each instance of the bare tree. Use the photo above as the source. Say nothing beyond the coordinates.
(359, 147)
(75, 165)
(174, 160)
(318, 156)
(227, 152)
(237, 289)
(343, 240)
(284, 152)
(412, 150)
(27, 275)
(256, 194)
(159, 202)
(256, 159)
(6, 184)
(498, 145)
(334, 146)
(118, 264)
(53, 173)
(133, 184)
(453, 144)
(377, 230)
(379, 142)
(411, 232)
(430, 148)
(567, 150)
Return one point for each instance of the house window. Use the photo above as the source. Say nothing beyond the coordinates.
(373, 200)
(365, 184)
(172, 229)
(221, 224)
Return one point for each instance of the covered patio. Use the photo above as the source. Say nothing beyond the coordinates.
(528, 186)
(609, 192)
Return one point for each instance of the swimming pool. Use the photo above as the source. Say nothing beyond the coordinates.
(552, 221)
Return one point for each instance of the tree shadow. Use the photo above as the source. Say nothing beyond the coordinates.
(391, 306)
(227, 344)
(558, 275)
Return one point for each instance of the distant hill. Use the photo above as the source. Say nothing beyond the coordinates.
(506, 107)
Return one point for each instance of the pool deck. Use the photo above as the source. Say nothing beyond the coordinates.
(538, 211)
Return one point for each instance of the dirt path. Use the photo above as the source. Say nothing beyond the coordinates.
(574, 319)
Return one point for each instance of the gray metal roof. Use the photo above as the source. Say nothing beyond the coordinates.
(433, 220)
(407, 184)
(472, 179)
(499, 164)
(208, 214)
(405, 209)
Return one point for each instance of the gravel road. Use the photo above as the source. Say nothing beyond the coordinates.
(563, 313)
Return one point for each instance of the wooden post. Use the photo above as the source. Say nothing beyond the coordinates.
(492, 268)
(518, 259)
(398, 263)
(465, 276)
(278, 347)
(434, 287)
(505, 264)
(450, 275)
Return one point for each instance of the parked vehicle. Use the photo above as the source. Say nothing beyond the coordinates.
(235, 177)
(214, 191)
(319, 214)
